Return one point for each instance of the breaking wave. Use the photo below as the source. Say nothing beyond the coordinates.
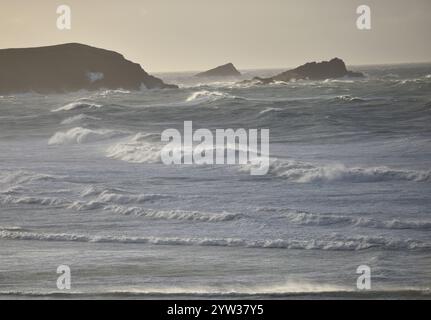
(108, 197)
(291, 289)
(22, 177)
(347, 98)
(174, 214)
(147, 148)
(78, 105)
(28, 200)
(112, 197)
(336, 243)
(207, 96)
(105, 93)
(311, 219)
(10, 228)
(82, 135)
(78, 118)
(136, 150)
(270, 110)
(112, 200)
(302, 172)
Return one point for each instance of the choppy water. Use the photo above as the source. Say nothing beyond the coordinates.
(81, 184)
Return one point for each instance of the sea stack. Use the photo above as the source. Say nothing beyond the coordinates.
(70, 67)
(333, 69)
(226, 70)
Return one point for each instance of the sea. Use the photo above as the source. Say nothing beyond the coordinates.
(344, 210)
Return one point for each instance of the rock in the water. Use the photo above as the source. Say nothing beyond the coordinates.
(227, 70)
(70, 67)
(336, 68)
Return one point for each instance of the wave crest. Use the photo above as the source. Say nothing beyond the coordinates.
(22, 177)
(78, 105)
(347, 98)
(27, 200)
(205, 95)
(78, 118)
(82, 135)
(311, 219)
(335, 243)
(305, 173)
(174, 214)
(137, 150)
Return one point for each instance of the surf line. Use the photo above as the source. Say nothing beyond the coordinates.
(229, 146)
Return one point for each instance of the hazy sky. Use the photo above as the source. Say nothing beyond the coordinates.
(173, 35)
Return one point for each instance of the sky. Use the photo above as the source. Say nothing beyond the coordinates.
(194, 35)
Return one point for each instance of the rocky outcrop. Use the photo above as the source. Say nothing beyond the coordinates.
(335, 68)
(70, 67)
(227, 70)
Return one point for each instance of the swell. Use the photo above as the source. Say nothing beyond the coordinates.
(141, 149)
(303, 172)
(114, 203)
(334, 243)
(78, 105)
(78, 118)
(174, 214)
(13, 178)
(137, 149)
(146, 148)
(322, 220)
(29, 200)
(117, 203)
(81, 135)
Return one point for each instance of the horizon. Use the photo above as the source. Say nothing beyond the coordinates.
(197, 35)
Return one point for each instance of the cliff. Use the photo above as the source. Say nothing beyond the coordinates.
(227, 70)
(70, 67)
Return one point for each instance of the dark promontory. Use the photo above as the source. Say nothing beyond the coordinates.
(227, 70)
(70, 67)
(335, 68)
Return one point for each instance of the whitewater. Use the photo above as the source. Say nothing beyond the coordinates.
(349, 184)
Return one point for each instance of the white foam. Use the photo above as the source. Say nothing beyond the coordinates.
(136, 150)
(112, 92)
(29, 200)
(311, 219)
(108, 197)
(207, 96)
(14, 178)
(82, 135)
(10, 228)
(334, 243)
(348, 98)
(302, 172)
(269, 110)
(146, 148)
(77, 105)
(10, 190)
(174, 214)
(78, 118)
(95, 190)
(289, 287)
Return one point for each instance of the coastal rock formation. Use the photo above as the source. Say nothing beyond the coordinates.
(335, 68)
(227, 70)
(70, 67)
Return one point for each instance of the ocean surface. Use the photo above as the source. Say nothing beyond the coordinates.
(82, 185)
